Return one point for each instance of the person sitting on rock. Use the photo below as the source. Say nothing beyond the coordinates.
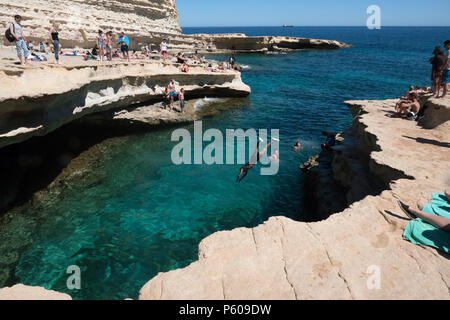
(439, 222)
(405, 98)
(181, 58)
(329, 142)
(409, 108)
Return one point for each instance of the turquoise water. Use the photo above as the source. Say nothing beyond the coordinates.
(140, 214)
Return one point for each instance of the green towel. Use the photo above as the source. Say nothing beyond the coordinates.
(422, 233)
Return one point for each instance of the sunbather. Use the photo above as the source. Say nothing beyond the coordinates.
(436, 221)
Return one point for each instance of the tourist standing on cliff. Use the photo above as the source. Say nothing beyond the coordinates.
(101, 45)
(124, 45)
(54, 37)
(437, 61)
(182, 102)
(172, 93)
(17, 32)
(108, 45)
(164, 50)
(445, 70)
(232, 62)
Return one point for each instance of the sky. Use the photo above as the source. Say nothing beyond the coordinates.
(200, 13)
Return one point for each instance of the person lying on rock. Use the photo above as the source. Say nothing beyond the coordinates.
(439, 222)
(184, 67)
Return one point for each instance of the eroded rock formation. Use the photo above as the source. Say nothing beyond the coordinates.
(36, 107)
(79, 20)
(336, 258)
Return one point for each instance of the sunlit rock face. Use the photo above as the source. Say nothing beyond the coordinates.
(79, 20)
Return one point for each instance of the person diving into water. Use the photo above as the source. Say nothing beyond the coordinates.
(255, 159)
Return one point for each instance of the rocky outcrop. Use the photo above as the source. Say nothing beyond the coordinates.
(35, 108)
(21, 292)
(242, 44)
(356, 254)
(79, 20)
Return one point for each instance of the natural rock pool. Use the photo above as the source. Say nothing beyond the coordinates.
(124, 212)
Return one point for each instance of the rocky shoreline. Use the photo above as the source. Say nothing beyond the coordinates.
(36, 108)
(333, 258)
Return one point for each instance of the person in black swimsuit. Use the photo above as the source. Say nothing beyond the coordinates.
(253, 160)
(54, 36)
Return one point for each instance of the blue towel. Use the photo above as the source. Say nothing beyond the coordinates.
(422, 233)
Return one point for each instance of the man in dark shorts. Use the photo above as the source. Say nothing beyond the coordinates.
(253, 160)
(124, 45)
(232, 62)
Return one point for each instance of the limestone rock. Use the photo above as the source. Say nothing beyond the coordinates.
(337, 258)
(75, 91)
(22, 292)
(79, 20)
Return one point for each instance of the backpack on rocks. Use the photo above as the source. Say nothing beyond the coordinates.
(9, 36)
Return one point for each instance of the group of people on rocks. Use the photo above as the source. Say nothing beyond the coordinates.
(440, 70)
(105, 49)
(409, 106)
(171, 94)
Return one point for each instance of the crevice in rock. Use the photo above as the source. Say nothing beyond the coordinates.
(285, 263)
(254, 240)
(331, 260)
(223, 289)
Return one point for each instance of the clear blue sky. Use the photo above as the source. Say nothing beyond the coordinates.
(195, 13)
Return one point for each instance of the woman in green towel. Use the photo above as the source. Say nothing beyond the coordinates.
(441, 223)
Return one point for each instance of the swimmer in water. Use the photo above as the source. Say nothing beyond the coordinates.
(297, 146)
(254, 160)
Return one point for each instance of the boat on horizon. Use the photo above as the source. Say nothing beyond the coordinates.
(287, 26)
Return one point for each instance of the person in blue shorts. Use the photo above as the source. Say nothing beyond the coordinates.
(172, 93)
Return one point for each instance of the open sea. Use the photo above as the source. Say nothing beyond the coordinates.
(145, 215)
